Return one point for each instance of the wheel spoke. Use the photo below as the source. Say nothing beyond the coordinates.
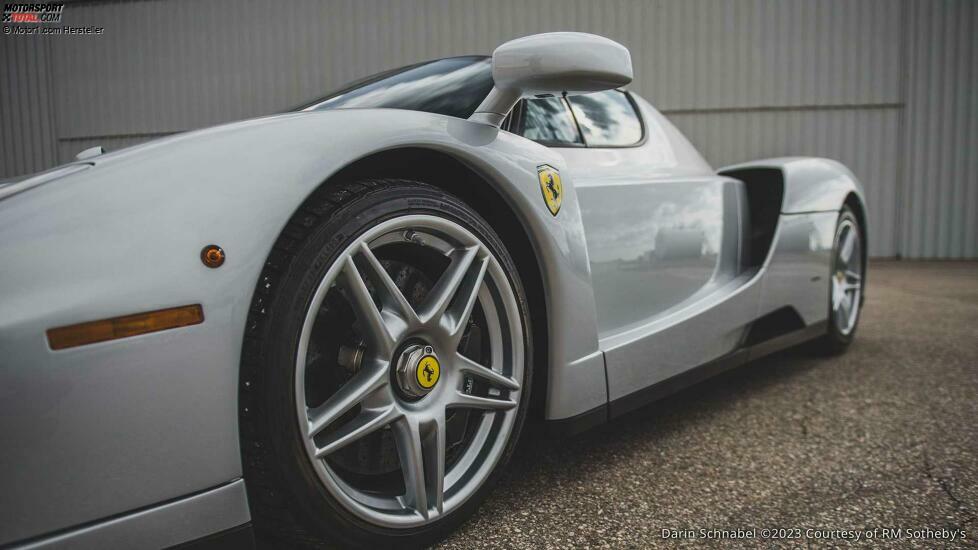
(421, 452)
(853, 276)
(845, 308)
(845, 251)
(499, 380)
(465, 401)
(390, 295)
(468, 293)
(365, 382)
(837, 294)
(376, 327)
(365, 423)
(456, 290)
(433, 448)
(407, 437)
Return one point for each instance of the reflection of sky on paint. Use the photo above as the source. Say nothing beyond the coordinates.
(625, 228)
(607, 118)
(453, 87)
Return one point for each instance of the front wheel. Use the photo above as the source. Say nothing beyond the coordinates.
(386, 372)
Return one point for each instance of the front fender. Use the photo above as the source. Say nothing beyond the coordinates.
(150, 418)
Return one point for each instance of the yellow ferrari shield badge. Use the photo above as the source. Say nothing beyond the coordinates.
(553, 191)
(428, 371)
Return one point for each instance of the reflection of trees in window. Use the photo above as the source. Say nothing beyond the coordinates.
(607, 118)
(548, 120)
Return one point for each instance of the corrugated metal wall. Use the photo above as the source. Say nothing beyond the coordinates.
(28, 140)
(886, 87)
(939, 199)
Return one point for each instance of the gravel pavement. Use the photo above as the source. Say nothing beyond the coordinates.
(885, 436)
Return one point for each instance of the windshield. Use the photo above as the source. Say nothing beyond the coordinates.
(454, 86)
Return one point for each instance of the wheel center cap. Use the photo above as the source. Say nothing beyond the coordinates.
(418, 370)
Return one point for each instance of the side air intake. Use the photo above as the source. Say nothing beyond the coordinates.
(765, 192)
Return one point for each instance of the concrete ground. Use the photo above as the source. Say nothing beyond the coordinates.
(885, 436)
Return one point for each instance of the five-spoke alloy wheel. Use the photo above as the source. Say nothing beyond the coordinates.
(409, 366)
(411, 372)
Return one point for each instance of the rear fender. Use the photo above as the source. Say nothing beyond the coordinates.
(811, 184)
(797, 260)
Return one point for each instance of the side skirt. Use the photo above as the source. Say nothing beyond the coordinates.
(644, 396)
(221, 510)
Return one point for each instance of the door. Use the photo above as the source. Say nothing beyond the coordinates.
(664, 240)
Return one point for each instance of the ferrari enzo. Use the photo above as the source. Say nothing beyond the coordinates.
(328, 326)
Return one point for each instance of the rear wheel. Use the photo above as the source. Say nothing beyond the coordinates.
(845, 284)
(386, 371)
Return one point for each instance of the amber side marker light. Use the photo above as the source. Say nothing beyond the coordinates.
(212, 256)
(123, 327)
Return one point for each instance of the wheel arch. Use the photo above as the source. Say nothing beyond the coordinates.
(451, 174)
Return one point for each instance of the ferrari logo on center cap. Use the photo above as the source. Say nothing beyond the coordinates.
(428, 371)
(553, 191)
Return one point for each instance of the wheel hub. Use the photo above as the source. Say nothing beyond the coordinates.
(417, 370)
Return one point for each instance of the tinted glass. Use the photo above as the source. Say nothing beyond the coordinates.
(547, 120)
(453, 87)
(607, 119)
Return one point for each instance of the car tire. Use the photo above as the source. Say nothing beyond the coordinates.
(298, 499)
(848, 270)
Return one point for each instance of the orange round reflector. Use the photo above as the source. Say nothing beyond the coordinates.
(212, 256)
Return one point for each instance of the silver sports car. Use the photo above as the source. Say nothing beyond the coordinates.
(329, 326)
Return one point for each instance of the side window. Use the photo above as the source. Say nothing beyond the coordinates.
(548, 121)
(608, 119)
